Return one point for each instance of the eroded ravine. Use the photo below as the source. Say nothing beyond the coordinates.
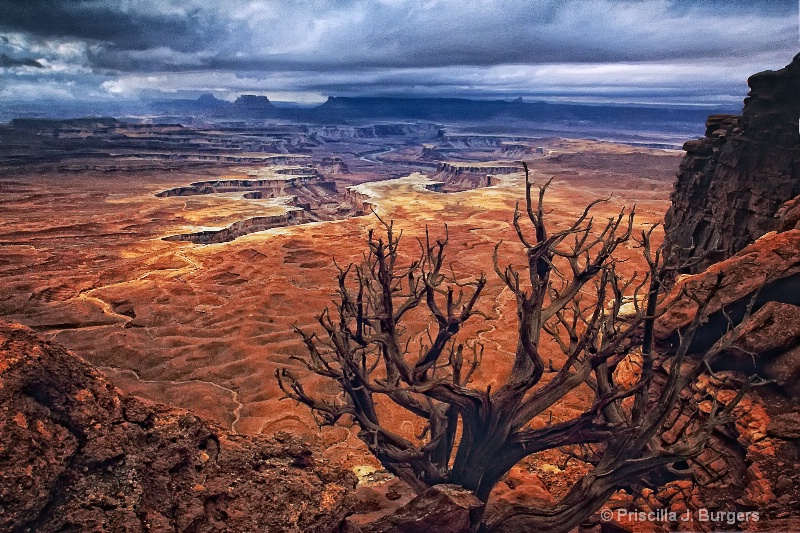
(303, 195)
(112, 371)
(107, 308)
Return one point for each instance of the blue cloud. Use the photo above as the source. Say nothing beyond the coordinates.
(434, 46)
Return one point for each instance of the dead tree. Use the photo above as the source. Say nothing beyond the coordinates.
(569, 290)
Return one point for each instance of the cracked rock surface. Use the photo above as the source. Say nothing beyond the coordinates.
(78, 455)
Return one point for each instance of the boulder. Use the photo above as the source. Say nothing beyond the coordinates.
(440, 509)
(784, 369)
(771, 264)
(785, 426)
(789, 215)
(78, 455)
(772, 330)
(519, 487)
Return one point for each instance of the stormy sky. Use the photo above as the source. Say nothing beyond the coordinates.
(659, 51)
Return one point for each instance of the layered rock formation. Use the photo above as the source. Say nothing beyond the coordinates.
(457, 176)
(769, 343)
(736, 199)
(243, 227)
(735, 225)
(751, 462)
(108, 144)
(277, 187)
(78, 455)
(732, 182)
(304, 194)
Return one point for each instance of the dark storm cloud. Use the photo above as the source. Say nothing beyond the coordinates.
(8, 62)
(101, 21)
(390, 45)
(358, 34)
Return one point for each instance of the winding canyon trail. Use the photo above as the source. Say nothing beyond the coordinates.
(118, 374)
(191, 267)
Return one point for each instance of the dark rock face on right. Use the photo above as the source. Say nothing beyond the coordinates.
(732, 183)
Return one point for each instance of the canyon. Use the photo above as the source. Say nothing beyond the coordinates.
(96, 259)
(177, 259)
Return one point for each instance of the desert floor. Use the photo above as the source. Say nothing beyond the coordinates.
(205, 327)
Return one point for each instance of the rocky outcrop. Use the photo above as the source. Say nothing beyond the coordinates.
(430, 152)
(243, 227)
(735, 218)
(440, 509)
(767, 270)
(359, 198)
(732, 182)
(477, 141)
(751, 462)
(276, 186)
(333, 165)
(521, 149)
(78, 455)
(770, 341)
(466, 176)
(307, 197)
(458, 169)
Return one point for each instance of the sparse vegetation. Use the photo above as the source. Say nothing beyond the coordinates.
(570, 291)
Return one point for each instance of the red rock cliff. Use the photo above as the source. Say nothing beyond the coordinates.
(732, 182)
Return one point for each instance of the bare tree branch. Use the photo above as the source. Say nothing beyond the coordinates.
(573, 297)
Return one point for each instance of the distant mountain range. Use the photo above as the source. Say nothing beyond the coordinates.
(459, 109)
(558, 119)
(344, 109)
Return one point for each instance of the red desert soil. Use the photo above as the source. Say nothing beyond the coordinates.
(205, 326)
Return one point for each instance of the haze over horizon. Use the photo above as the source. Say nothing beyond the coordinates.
(598, 51)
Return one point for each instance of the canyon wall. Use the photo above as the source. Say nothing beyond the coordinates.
(243, 227)
(276, 186)
(329, 132)
(734, 225)
(732, 182)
